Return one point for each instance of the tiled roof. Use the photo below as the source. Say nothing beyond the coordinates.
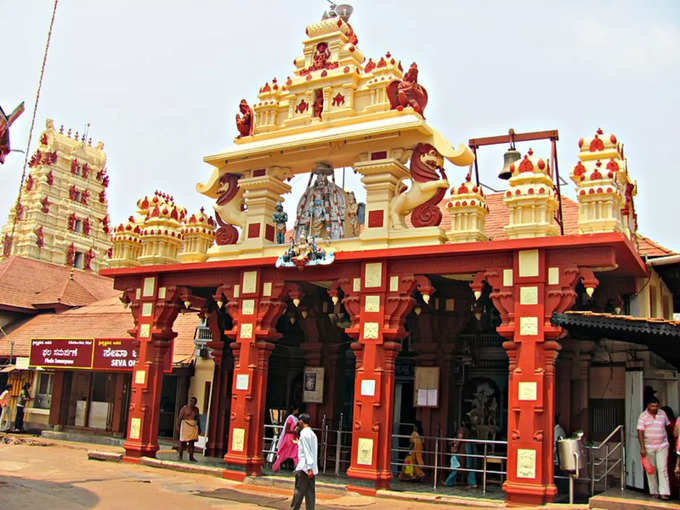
(101, 319)
(30, 284)
(649, 248)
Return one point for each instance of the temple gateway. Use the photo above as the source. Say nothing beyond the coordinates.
(417, 299)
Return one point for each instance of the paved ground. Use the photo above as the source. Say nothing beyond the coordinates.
(44, 474)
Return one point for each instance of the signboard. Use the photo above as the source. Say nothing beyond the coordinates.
(313, 385)
(98, 354)
(115, 354)
(61, 353)
(426, 390)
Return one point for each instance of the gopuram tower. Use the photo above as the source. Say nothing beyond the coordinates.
(62, 214)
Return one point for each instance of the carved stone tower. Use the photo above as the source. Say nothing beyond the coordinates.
(62, 216)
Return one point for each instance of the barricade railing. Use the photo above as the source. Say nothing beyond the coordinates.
(334, 451)
(477, 457)
(607, 456)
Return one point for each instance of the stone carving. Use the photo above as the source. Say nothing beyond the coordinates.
(244, 120)
(352, 228)
(427, 189)
(407, 92)
(229, 209)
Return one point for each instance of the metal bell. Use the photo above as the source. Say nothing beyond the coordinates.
(510, 156)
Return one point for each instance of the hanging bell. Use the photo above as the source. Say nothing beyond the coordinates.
(510, 156)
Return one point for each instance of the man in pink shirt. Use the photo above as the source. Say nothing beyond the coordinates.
(654, 446)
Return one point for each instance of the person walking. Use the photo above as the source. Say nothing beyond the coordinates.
(189, 428)
(6, 413)
(416, 440)
(287, 446)
(654, 446)
(307, 467)
(454, 462)
(24, 398)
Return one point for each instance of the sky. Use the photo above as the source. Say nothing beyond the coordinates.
(159, 82)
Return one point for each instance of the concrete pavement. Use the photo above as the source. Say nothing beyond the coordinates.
(45, 474)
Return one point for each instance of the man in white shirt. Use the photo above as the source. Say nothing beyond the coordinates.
(307, 467)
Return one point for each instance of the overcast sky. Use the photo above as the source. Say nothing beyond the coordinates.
(160, 81)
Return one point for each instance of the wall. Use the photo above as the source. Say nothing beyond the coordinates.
(203, 373)
(641, 305)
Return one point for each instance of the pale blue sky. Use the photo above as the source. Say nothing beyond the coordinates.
(160, 81)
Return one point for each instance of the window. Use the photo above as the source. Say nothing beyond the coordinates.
(78, 226)
(79, 260)
(77, 196)
(43, 392)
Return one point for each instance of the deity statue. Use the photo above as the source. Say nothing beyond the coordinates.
(322, 207)
(321, 56)
(5, 122)
(244, 121)
(408, 92)
(318, 103)
(352, 228)
(280, 218)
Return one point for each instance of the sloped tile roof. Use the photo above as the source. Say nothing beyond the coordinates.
(101, 319)
(25, 283)
(651, 248)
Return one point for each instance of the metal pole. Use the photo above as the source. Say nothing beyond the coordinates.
(436, 458)
(606, 468)
(11, 351)
(559, 192)
(623, 466)
(474, 150)
(592, 472)
(338, 447)
(484, 472)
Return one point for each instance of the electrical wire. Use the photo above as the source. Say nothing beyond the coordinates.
(30, 132)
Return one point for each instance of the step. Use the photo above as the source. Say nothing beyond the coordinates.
(630, 500)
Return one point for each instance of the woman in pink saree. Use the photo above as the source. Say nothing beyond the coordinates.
(287, 447)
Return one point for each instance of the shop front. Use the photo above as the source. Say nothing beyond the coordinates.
(89, 381)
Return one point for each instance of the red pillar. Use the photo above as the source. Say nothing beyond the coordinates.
(254, 304)
(154, 309)
(377, 302)
(526, 295)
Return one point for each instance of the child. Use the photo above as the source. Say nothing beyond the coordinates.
(454, 465)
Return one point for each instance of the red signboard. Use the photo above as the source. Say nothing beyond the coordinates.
(61, 353)
(99, 354)
(114, 354)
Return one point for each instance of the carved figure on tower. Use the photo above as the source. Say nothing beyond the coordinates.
(322, 207)
(5, 122)
(408, 92)
(321, 56)
(318, 103)
(427, 189)
(352, 228)
(280, 218)
(244, 120)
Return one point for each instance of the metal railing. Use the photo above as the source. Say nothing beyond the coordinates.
(335, 446)
(478, 457)
(606, 457)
